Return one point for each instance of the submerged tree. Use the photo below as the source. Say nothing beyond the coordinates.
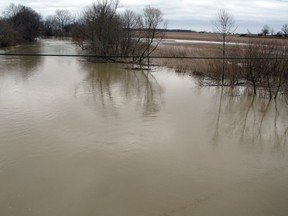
(152, 21)
(225, 25)
(130, 22)
(99, 28)
(285, 30)
(266, 66)
(103, 31)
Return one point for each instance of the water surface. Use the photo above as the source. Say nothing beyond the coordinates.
(180, 42)
(81, 138)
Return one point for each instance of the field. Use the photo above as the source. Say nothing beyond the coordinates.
(169, 47)
(192, 36)
(206, 47)
(217, 37)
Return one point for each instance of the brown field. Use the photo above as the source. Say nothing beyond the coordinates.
(192, 36)
(217, 37)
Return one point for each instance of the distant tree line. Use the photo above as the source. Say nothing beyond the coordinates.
(21, 24)
(100, 29)
(267, 30)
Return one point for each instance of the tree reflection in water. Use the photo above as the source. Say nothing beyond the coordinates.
(109, 86)
(21, 67)
(253, 120)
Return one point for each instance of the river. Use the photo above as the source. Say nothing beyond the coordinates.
(84, 138)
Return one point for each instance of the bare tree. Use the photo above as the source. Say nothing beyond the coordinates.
(50, 26)
(130, 25)
(225, 25)
(62, 19)
(12, 10)
(266, 30)
(153, 25)
(285, 30)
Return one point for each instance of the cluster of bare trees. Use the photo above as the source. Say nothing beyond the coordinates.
(19, 24)
(60, 24)
(267, 30)
(266, 66)
(103, 31)
(261, 64)
(22, 24)
(225, 25)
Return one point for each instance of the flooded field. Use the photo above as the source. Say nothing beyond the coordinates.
(83, 138)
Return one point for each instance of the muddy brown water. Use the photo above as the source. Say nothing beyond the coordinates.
(81, 138)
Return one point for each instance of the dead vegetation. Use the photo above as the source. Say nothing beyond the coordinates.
(260, 64)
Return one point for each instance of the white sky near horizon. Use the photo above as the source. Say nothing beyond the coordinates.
(196, 15)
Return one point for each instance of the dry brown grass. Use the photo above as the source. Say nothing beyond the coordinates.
(196, 66)
(190, 36)
(216, 37)
(187, 65)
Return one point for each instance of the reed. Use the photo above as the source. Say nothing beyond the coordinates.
(261, 65)
(186, 65)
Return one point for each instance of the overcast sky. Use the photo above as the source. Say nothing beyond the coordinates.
(197, 15)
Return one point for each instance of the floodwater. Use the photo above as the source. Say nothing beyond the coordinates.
(81, 138)
(179, 42)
